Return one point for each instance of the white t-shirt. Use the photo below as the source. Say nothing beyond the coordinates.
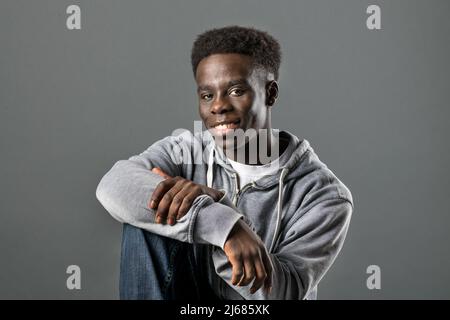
(248, 173)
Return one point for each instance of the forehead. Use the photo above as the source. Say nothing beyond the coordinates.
(218, 69)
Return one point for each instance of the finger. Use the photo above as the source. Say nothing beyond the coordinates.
(238, 269)
(268, 266)
(158, 171)
(160, 191)
(260, 275)
(176, 203)
(188, 201)
(166, 201)
(249, 269)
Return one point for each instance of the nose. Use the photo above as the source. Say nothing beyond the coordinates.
(221, 106)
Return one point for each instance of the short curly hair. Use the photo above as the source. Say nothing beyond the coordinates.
(264, 50)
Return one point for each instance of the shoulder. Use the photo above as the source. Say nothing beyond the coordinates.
(316, 182)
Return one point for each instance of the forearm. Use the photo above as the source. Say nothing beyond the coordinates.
(303, 256)
(125, 191)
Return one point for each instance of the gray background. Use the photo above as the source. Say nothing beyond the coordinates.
(373, 104)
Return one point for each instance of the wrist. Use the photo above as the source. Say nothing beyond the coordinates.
(236, 228)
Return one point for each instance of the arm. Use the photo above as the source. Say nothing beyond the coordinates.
(125, 191)
(244, 249)
(306, 251)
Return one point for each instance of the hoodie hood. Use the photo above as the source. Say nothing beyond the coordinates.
(217, 156)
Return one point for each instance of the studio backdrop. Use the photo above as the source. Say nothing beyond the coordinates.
(86, 83)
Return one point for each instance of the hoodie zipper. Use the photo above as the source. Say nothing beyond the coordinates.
(237, 192)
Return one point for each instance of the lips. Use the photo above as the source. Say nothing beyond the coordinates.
(229, 124)
(224, 127)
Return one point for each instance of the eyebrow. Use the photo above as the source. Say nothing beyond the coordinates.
(230, 84)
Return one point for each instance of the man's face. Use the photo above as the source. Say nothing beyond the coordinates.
(232, 95)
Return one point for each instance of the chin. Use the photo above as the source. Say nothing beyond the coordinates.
(226, 138)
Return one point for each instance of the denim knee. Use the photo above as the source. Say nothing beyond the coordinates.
(149, 263)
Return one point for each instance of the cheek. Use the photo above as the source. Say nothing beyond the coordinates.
(257, 118)
(247, 106)
(258, 113)
(202, 110)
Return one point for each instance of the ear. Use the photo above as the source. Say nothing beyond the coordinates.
(271, 92)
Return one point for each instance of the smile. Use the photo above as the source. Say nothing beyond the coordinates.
(225, 127)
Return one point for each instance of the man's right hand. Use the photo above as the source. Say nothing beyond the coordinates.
(249, 258)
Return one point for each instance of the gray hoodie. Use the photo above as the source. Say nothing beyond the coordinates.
(301, 213)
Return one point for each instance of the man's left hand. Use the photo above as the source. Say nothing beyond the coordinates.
(173, 197)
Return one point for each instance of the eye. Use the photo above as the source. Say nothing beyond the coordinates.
(236, 92)
(206, 96)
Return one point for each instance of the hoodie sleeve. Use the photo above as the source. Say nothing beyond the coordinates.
(306, 250)
(125, 191)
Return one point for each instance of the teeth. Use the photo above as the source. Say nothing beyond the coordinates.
(225, 126)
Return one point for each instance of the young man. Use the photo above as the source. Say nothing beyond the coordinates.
(227, 227)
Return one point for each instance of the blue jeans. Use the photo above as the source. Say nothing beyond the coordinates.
(160, 268)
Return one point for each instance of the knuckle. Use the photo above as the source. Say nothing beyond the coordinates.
(239, 272)
(234, 255)
(163, 183)
(180, 181)
(168, 196)
(163, 206)
(176, 199)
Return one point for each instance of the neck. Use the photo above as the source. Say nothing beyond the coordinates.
(262, 149)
